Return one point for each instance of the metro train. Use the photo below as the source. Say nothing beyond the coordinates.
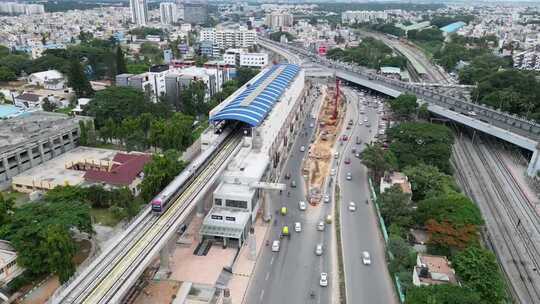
(161, 201)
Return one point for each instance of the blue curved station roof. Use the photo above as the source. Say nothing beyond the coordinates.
(257, 100)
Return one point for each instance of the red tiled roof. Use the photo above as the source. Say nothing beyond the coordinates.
(125, 169)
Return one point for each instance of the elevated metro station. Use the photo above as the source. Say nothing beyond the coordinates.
(269, 110)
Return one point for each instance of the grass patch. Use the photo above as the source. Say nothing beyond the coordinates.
(337, 223)
(104, 217)
(112, 146)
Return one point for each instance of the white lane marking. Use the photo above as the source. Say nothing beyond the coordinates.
(267, 276)
(261, 296)
(272, 260)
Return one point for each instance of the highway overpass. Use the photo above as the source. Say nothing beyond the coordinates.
(519, 131)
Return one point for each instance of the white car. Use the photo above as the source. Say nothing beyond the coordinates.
(352, 206)
(297, 227)
(349, 176)
(327, 198)
(275, 246)
(302, 148)
(324, 279)
(320, 226)
(365, 120)
(366, 259)
(302, 205)
(311, 125)
(332, 172)
(318, 249)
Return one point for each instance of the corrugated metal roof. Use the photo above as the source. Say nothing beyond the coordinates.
(257, 100)
(452, 27)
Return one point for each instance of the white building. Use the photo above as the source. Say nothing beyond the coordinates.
(29, 101)
(168, 12)
(395, 178)
(170, 82)
(267, 142)
(257, 60)
(9, 269)
(363, 16)
(229, 38)
(139, 12)
(50, 80)
(239, 57)
(278, 19)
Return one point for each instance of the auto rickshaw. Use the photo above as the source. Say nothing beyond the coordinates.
(283, 211)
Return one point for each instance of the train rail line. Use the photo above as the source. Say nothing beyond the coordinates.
(502, 201)
(103, 283)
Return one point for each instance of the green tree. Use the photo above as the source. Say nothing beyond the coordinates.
(403, 255)
(78, 81)
(479, 271)
(442, 294)
(4, 51)
(7, 74)
(192, 99)
(16, 63)
(244, 74)
(151, 53)
(378, 160)
(121, 67)
(47, 105)
(159, 172)
(453, 207)
(119, 103)
(413, 143)
(85, 37)
(427, 181)
(61, 250)
(6, 208)
(404, 105)
(395, 207)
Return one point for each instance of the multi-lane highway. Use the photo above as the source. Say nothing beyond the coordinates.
(292, 274)
(359, 230)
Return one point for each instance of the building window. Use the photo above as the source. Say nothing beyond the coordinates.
(217, 202)
(230, 218)
(236, 204)
(216, 217)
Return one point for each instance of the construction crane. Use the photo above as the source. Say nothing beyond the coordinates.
(334, 116)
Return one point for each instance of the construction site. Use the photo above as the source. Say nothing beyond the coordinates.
(317, 166)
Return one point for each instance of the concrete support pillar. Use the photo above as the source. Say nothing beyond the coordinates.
(267, 213)
(6, 166)
(19, 163)
(252, 243)
(30, 157)
(63, 148)
(41, 152)
(534, 164)
(51, 144)
(71, 140)
(164, 259)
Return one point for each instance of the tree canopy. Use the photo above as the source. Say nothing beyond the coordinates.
(40, 232)
(404, 105)
(395, 207)
(442, 294)
(371, 53)
(159, 172)
(478, 269)
(119, 103)
(454, 207)
(378, 160)
(414, 143)
(427, 181)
